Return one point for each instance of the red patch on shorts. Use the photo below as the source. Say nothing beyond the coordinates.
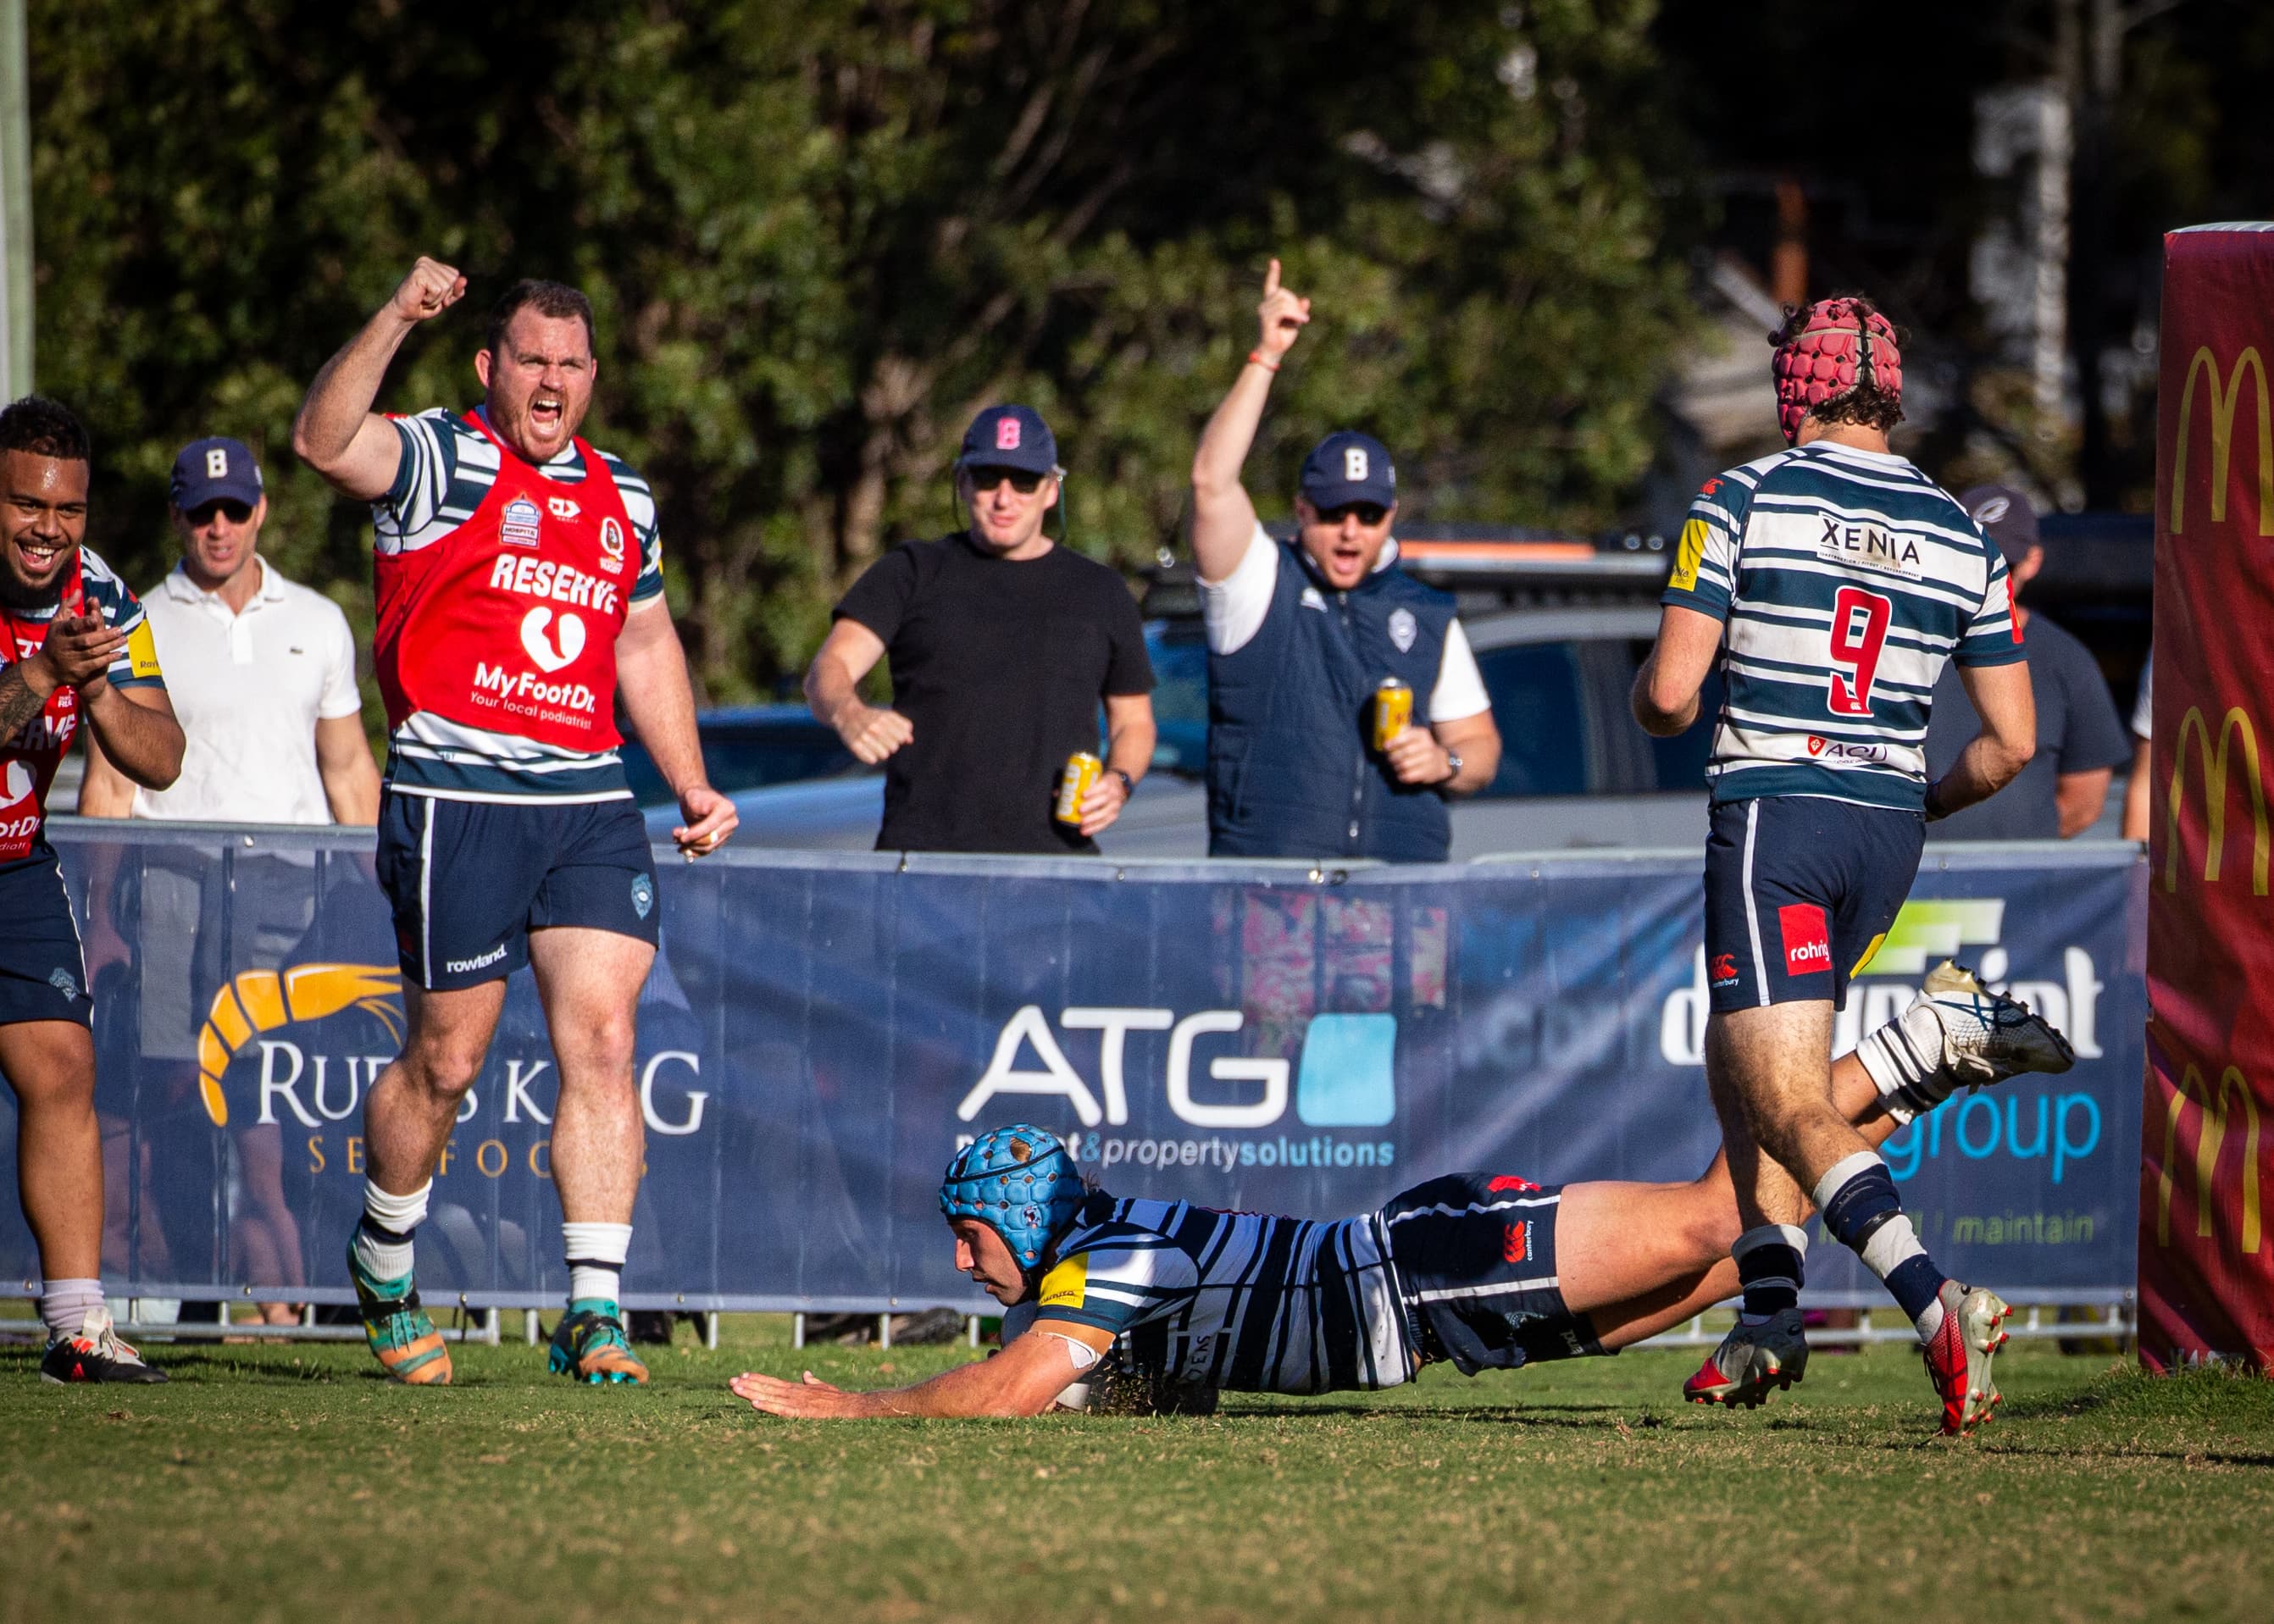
(1510, 1181)
(1807, 940)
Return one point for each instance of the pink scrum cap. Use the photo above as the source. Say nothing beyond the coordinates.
(1825, 360)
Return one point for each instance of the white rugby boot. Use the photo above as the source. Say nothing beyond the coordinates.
(1957, 1033)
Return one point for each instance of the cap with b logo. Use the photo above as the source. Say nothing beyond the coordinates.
(215, 470)
(2005, 517)
(1349, 467)
(1010, 437)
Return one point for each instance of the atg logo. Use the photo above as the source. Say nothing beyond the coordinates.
(1346, 1077)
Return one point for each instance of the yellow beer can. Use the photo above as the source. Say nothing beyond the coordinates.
(1393, 711)
(1081, 771)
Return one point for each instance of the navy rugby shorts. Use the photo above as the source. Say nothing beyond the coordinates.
(1475, 1255)
(42, 970)
(469, 879)
(1799, 891)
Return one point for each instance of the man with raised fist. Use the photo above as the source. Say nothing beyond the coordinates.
(520, 589)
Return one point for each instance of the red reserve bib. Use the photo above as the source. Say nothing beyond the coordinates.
(28, 760)
(509, 623)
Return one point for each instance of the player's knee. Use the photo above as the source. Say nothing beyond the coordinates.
(603, 1044)
(441, 1068)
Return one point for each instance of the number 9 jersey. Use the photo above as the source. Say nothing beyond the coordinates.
(1844, 579)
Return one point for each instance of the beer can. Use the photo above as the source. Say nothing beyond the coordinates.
(1393, 709)
(1081, 771)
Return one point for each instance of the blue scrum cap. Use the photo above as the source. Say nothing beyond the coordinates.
(1020, 1182)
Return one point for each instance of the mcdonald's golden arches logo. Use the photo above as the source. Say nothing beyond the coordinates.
(2209, 1142)
(2215, 766)
(259, 1001)
(2225, 397)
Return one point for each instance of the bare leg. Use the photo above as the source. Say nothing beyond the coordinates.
(409, 1112)
(50, 1065)
(1638, 1258)
(1770, 1071)
(590, 981)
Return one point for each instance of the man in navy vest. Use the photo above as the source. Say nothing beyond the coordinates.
(1300, 636)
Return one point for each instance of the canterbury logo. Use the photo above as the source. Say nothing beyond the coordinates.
(2211, 1139)
(258, 1001)
(541, 648)
(2215, 766)
(2224, 399)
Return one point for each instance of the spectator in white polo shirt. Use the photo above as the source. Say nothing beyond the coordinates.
(269, 702)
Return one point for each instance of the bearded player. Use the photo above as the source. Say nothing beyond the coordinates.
(1829, 583)
(75, 648)
(520, 592)
(1488, 1272)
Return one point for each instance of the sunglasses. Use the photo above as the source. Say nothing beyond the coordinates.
(987, 478)
(1369, 513)
(202, 515)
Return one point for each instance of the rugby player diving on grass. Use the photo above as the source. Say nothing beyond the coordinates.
(1178, 1302)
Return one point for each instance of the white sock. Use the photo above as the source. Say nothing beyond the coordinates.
(382, 1240)
(63, 1304)
(595, 1253)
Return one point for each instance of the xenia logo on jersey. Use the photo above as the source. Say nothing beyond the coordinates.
(564, 584)
(1869, 545)
(1807, 944)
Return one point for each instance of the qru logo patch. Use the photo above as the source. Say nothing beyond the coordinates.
(643, 895)
(1403, 629)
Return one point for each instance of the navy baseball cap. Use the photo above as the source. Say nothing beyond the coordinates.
(215, 470)
(1010, 437)
(1349, 467)
(2005, 517)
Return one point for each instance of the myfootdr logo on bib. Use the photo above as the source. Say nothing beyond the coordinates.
(540, 647)
(1807, 944)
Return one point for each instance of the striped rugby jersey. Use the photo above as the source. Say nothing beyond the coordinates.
(1247, 1302)
(1844, 579)
(447, 467)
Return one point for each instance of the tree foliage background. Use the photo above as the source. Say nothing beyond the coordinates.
(820, 235)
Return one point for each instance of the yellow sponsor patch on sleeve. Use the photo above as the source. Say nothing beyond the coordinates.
(1065, 1285)
(142, 652)
(1688, 556)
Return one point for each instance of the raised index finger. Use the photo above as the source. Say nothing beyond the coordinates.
(1272, 280)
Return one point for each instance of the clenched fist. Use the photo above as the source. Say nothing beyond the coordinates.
(431, 289)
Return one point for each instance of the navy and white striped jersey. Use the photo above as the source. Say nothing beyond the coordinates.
(1247, 1302)
(1845, 580)
(447, 471)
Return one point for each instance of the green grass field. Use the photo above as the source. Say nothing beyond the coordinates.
(280, 1483)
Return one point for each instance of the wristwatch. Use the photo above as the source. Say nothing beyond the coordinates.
(1128, 783)
(1452, 760)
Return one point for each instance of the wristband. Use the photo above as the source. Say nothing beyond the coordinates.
(1128, 783)
(1934, 808)
(1257, 358)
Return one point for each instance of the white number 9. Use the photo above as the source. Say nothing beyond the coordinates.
(1354, 464)
(216, 464)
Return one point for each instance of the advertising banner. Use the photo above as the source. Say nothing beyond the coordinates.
(821, 1031)
(2206, 1271)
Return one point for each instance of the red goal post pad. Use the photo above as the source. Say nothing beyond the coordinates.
(2206, 1130)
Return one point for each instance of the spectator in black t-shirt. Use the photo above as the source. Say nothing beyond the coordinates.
(2080, 743)
(1002, 646)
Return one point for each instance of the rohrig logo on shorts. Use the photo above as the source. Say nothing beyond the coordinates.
(1402, 628)
(643, 894)
(518, 526)
(1807, 942)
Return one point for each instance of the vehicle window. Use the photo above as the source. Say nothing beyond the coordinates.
(1679, 764)
(1536, 700)
(747, 760)
(1180, 699)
